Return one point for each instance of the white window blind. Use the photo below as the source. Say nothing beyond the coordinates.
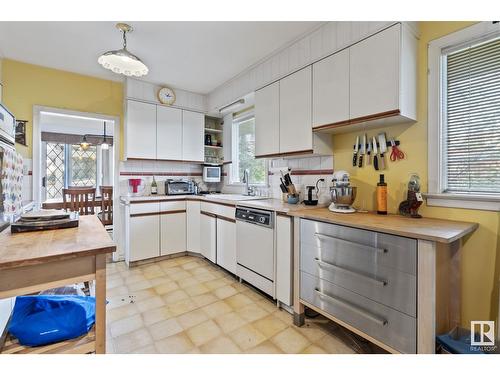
(471, 115)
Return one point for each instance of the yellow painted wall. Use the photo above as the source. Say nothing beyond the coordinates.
(26, 85)
(481, 252)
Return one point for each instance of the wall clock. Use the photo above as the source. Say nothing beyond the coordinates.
(166, 96)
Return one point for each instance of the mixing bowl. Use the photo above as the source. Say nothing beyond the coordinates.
(343, 196)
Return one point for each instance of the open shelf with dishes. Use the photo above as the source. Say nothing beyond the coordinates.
(213, 140)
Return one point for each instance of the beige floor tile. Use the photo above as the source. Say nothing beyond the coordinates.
(203, 332)
(175, 296)
(184, 283)
(167, 287)
(114, 282)
(152, 271)
(132, 279)
(267, 305)
(283, 315)
(238, 300)
(240, 287)
(132, 341)
(220, 345)
(195, 350)
(143, 294)
(117, 301)
(247, 337)
(169, 271)
(204, 277)
(180, 275)
(168, 263)
(333, 345)
(182, 307)
(112, 315)
(176, 344)
(155, 315)
(185, 259)
(216, 309)
(313, 349)
(126, 325)
(269, 326)
(159, 280)
(253, 295)
(110, 348)
(252, 312)
(144, 284)
(149, 349)
(117, 291)
(204, 299)
(164, 328)
(312, 331)
(150, 304)
(214, 284)
(229, 322)
(290, 341)
(225, 291)
(192, 318)
(190, 266)
(196, 289)
(200, 270)
(267, 347)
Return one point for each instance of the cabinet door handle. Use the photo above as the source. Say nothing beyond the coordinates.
(332, 266)
(356, 309)
(328, 237)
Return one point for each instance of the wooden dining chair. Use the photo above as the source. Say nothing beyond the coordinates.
(106, 214)
(80, 199)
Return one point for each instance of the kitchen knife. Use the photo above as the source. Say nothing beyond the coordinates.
(368, 153)
(288, 179)
(355, 155)
(362, 152)
(283, 186)
(383, 148)
(375, 152)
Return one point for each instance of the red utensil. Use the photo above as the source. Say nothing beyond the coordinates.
(396, 153)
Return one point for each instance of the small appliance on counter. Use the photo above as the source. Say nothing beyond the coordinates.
(212, 173)
(310, 201)
(342, 194)
(179, 187)
(414, 199)
(136, 187)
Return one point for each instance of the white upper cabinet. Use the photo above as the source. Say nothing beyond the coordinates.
(140, 129)
(330, 101)
(193, 131)
(267, 120)
(295, 112)
(375, 73)
(168, 133)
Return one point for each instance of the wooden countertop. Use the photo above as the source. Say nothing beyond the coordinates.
(21, 249)
(438, 230)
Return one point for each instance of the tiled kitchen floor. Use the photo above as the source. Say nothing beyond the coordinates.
(188, 305)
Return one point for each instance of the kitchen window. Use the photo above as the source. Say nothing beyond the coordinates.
(464, 118)
(243, 151)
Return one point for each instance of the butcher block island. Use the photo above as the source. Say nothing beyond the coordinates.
(34, 261)
(392, 280)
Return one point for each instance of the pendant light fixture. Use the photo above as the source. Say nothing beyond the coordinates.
(104, 144)
(84, 144)
(122, 61)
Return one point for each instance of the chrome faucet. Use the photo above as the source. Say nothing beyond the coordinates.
(246, 181)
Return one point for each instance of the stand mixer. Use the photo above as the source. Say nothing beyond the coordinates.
(342, 194)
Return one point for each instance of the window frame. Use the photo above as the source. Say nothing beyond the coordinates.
(245, 115)
(436, 121)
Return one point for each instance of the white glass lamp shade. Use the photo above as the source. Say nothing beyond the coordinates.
(104, 146)
(123, 62)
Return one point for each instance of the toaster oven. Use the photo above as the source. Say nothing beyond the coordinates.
(179, 187)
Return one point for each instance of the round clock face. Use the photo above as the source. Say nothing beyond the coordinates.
(166, 96)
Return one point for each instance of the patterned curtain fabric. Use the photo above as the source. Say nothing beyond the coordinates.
(11, 181)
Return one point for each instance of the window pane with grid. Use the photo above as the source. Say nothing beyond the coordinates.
(55, 169)
(472, 119)
(83, 166)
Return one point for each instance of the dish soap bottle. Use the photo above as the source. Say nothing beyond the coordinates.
(154, 187)
(382, 196)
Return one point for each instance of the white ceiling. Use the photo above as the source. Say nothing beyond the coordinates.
(194, 56)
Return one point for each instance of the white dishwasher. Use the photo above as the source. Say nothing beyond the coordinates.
(255, 255)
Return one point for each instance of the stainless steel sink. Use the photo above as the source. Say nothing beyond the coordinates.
(234, 197)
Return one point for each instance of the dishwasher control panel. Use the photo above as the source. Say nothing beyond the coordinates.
(255, 216)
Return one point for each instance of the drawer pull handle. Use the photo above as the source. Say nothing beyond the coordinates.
(373, 280)
(328, 237)
(356, 309)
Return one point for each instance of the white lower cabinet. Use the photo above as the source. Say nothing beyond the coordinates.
(173, 233)
(144, 237)
(284, 259)
(208, 232)
(226, 244)
(193, 226)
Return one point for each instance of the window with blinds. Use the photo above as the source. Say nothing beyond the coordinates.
(471, 118)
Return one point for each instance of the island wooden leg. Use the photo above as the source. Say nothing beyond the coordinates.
(298, 308)
(100, 304)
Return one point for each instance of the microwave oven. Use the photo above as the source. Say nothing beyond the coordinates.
(7, 126)
(212, 173)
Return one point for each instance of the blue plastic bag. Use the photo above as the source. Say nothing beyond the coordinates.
(44, 319)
